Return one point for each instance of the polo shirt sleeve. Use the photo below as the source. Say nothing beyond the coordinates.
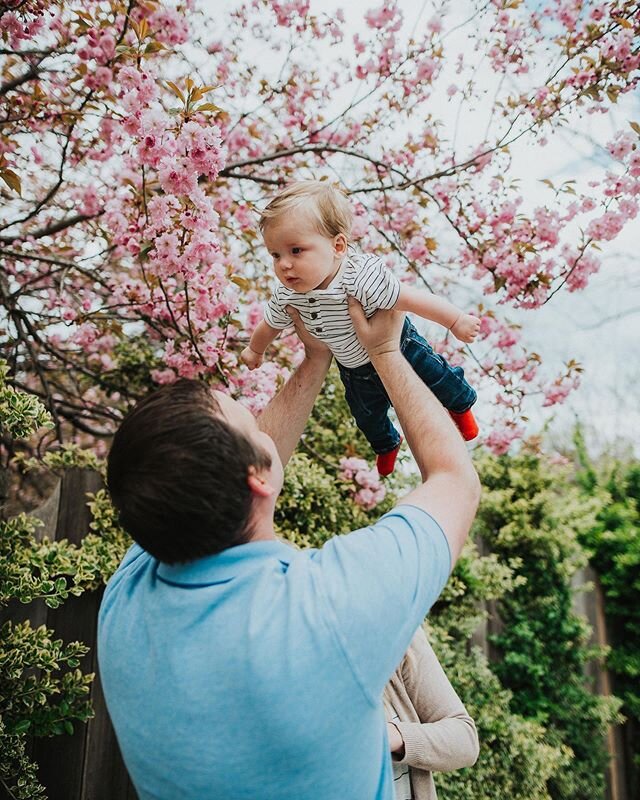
(378, 584)
(275, 314)
(372, 284)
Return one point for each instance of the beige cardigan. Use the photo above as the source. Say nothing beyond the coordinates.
(437, 731)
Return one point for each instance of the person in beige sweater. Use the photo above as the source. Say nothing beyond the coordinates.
(428, 726)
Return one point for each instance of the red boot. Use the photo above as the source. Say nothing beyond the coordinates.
(466, 423)
(385, 462)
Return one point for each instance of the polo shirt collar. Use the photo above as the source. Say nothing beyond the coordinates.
(225, 565)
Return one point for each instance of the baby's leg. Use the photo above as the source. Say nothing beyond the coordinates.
(370, 405)
(446, 382)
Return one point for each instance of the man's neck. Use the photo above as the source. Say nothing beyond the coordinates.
(263, 533)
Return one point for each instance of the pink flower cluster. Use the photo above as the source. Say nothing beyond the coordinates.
(524, 256)
(507, 52)
(99, 45)
(18, 30)
(286, 13)
(388, 17)
(169, 25)
(367, 490)
(559, 390)
(256, 388)
(177, 275)
(502, 437)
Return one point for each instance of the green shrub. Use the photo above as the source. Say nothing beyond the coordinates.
(613, 544)
(42, 690)
(530, 511)
(516, 760)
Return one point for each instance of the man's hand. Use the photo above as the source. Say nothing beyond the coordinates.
(466, 328)
(380, 334)
(251, 358)
(312, 345)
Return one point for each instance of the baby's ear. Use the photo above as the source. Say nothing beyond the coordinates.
(340, 243)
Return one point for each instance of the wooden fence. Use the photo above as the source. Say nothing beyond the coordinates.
(88, 764)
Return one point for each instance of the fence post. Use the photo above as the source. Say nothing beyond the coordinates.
(590, 605)
(86, 765)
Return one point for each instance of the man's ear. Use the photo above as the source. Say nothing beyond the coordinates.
(258, 485)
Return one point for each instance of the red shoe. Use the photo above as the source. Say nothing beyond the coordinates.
(385, 462)
(466, 423)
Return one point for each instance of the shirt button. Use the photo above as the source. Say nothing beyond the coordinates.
(312, 299)
(314, 314)
(318, 330)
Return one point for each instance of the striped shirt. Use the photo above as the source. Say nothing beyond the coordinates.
(324, 312)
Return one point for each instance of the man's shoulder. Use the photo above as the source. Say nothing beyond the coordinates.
(403, 519)
(135, 560)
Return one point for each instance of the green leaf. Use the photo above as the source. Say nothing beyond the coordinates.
(21, 727)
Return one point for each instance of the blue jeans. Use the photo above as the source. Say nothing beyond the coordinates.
(369, 401)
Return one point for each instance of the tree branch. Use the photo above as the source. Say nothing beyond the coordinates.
(28, 76)
(49, 230)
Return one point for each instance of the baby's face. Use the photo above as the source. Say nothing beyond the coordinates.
(303, 258)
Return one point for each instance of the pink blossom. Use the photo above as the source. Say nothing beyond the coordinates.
(427, 68)
(177, 176)
(368, 489)
(90, 202)
(387, 16)
(558, 391)
(501, 437)
(202, 148)
(358, 44)
(622, 145)
(542, 93)
(99, 79)
(13, 28)
(169, 26)
(256, 388)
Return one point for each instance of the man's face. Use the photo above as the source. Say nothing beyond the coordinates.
(240, 418)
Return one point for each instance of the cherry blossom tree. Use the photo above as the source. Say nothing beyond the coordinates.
(138, 140)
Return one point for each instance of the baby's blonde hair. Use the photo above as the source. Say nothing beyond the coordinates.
(327, 203)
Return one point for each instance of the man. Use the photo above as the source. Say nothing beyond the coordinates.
(235, 667)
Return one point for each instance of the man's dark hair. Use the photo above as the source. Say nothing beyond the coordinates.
(177, 474)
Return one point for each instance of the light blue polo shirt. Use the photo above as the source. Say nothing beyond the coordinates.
(257, 673)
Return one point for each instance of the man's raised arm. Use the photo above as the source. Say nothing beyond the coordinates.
(286, 415)
(450, 490)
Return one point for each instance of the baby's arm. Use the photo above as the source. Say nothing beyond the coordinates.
(261, 338)
(464, 327)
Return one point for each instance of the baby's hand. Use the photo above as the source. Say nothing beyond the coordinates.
(251, 358)
(466, 328)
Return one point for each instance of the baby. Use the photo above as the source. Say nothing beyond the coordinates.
(306, 230)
